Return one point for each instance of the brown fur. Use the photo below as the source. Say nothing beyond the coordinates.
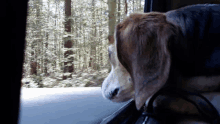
(142, 40)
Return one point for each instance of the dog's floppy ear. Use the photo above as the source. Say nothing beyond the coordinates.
(142, 49)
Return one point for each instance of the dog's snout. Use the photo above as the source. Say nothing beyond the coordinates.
(114, 93)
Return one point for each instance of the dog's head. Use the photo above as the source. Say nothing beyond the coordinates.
(118, 86)
(139, 53)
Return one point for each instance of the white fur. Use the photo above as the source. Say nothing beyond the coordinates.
(117, 78)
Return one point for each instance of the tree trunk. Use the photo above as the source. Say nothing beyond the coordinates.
(112, 19)
(46, 44)
(133, 5)
(68, 43)
(40, 40)
(92, 59)
(139, 5)
(46, 59)
(84, 46)
(126, 7)
(33, 63)
(119, 9)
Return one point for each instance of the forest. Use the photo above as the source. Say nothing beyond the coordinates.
(67, 41)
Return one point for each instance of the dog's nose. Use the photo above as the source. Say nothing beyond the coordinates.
(113, 93)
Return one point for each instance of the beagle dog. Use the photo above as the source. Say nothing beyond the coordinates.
(179, 48)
